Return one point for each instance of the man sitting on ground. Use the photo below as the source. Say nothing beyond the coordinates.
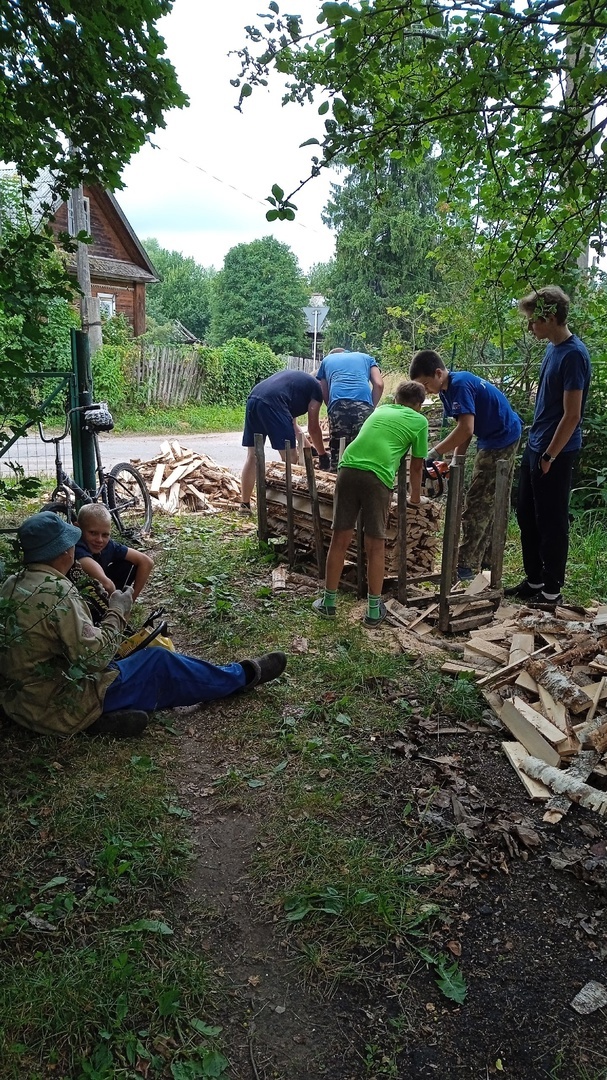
(58, 671)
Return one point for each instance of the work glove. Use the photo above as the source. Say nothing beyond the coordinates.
(324, 462)
(121, 601)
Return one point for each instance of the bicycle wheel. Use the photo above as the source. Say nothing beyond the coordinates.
(129, 502)
(62, 503)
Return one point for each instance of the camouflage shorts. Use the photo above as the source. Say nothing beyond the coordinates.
(346, 418)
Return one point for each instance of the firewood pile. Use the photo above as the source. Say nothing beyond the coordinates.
(422, 521)
(180, 481)
(545, 677)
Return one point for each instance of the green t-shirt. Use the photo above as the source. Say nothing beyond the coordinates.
(385, 436)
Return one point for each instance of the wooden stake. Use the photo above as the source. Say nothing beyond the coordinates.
(316, 519)
(262, 505)
(453, 517)
(361, 575)
(500, 521)
(401, 496)
(289, 494)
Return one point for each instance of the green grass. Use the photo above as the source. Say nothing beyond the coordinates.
(97, 975)
(196, 419)
(587, 563)
(102, 963)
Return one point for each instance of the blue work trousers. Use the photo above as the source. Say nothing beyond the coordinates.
(157, 678)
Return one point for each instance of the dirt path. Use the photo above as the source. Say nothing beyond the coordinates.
(274, 1027)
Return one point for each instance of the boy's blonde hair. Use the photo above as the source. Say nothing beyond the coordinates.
(94, 512)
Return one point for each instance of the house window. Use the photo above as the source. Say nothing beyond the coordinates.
(71, 228)
(107, 304)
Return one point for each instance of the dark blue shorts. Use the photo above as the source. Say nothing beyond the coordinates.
(264, 418)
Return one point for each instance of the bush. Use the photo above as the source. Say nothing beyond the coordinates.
(232, 370)
(111, 374)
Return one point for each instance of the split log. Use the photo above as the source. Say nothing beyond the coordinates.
(582, 767)
(515, 752)
(527, 734)
(559, 685)
(565, 784)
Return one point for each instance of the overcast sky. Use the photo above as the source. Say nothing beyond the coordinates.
(185, 208)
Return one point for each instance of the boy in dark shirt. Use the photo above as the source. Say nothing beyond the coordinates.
(480, 409)
(272, 410)
(111, 564)
(552, 449)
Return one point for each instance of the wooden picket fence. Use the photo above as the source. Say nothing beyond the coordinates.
(302, 363)
(168, 375)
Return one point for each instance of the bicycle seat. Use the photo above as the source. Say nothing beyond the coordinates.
(99, 419)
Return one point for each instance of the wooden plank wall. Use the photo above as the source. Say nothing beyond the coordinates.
(169, 375)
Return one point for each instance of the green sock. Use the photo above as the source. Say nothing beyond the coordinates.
(373, 603)
(330, 597)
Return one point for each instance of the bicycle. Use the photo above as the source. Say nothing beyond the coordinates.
(122, 490)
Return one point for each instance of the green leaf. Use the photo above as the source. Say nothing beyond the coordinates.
(256, 783)
(246, 90)
(277, 192)
(52, 884)
(272, 215)
(151, 926)
(324, 108)
(205, 1029)
(450, 979)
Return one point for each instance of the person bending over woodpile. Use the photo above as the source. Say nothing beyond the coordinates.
(57, 668)
(272, 409)
(480, 409)
(352, 386)
(365, 480)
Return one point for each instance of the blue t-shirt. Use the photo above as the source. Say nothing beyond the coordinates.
(111, 553)
(291, 390)
(564, 367)
(496, 424)
(347, 375)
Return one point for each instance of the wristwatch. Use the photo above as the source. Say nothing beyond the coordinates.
(547, 457)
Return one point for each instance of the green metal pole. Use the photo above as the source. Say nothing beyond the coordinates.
(83, 448)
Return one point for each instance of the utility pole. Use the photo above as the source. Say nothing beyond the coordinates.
(89, 305)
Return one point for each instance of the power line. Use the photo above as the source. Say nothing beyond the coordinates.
(226, 183)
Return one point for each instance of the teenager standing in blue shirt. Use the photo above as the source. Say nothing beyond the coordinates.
(554, 443)
(480, 409)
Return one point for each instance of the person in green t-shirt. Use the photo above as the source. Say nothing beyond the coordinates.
(365, 480)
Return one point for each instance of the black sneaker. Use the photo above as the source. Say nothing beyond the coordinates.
(122, 724)
(523, 591)
(263, 668)
(546, 603)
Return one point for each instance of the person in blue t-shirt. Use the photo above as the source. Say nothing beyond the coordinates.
(552, 449)
(352, 386)
(272, 409)
(480, 409)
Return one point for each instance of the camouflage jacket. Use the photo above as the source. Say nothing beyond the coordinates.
(53, 660)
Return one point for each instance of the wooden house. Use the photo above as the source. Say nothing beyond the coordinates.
(120, 268)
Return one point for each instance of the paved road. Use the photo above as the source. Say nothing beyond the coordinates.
(38, 459)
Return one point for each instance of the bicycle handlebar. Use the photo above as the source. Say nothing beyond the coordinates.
(59, 438)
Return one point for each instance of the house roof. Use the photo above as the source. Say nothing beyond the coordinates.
(145, 259)
(115, 269)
